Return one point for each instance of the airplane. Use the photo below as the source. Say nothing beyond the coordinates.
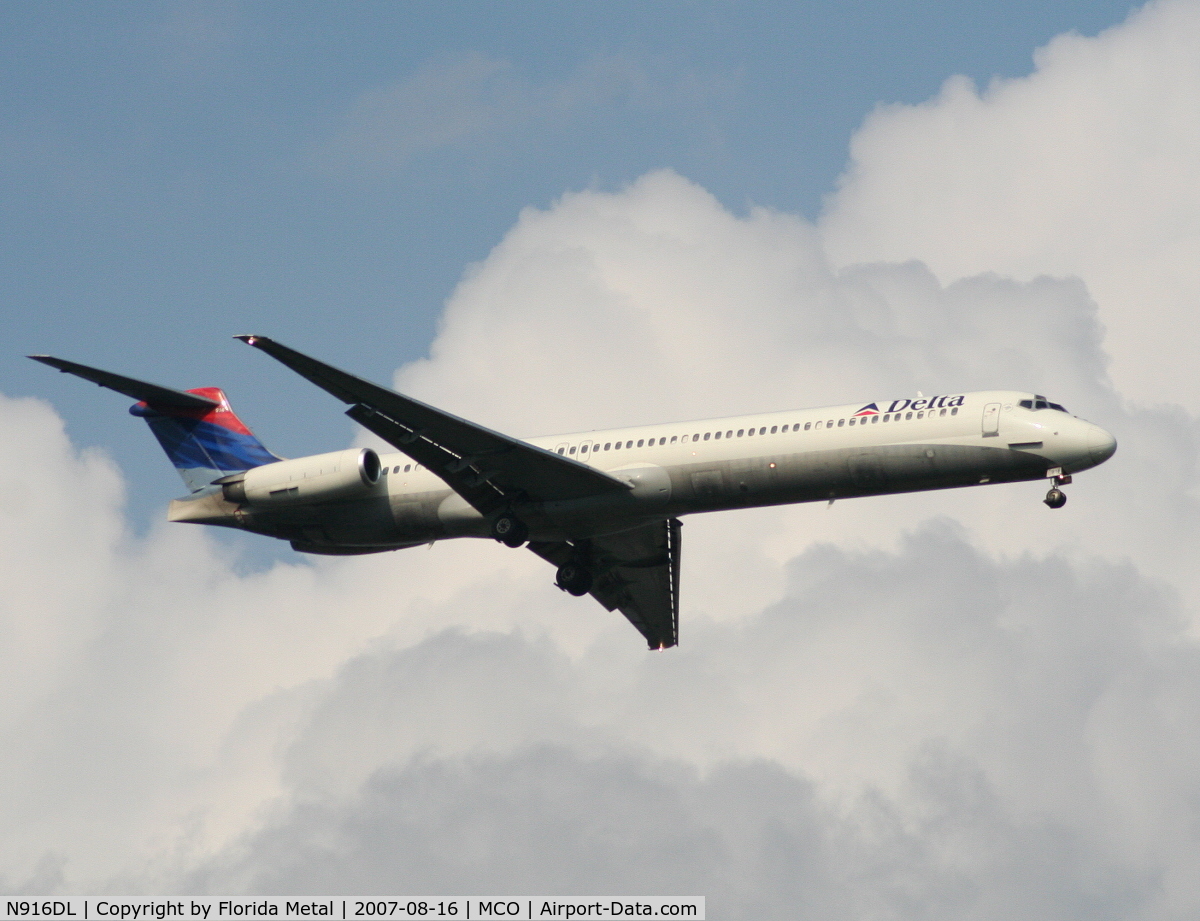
(603, 507)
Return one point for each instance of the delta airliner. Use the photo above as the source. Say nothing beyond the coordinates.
(602, 506)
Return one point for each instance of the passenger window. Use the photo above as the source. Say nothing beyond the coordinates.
(706, 434)
(942, 413)
(607, 445)
(729, 434)
(841, 422)
(807, 426)
(851, 421)
(886, 417)
(829, 424)
(820, 424)
(562, 450)
(663, 440)
(572, 451)
(407, 467)
(874, 419)
(908, 415)
(749, 432)
(741, 432)
(674, 437)
(920, 415)
(641, 441)
(718, 435)
(954, 411)
(583, 449)
(696, 437)
(774, 429)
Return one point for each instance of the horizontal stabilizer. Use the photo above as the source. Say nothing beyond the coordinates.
(138, 390)
(201, 434)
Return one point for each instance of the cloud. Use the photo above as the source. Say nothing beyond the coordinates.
(926, 733)
(1087, 167)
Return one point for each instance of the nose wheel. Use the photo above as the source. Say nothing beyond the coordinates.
(1056, 498)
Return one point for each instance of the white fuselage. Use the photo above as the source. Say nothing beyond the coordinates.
(764, 459)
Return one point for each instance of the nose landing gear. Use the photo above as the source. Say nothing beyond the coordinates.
(1056, 498)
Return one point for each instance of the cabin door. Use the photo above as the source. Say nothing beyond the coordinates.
(991, 420)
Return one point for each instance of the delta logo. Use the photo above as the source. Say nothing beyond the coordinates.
(896, 406)
(931, 403)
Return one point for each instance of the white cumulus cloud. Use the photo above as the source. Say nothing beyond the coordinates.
(1088, 167)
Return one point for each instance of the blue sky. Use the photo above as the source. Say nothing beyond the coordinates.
(174, 174)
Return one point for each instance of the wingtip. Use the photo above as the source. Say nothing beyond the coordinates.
(249, 340)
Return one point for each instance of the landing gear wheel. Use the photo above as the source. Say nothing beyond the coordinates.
(574, 578)
(1055, 498)
(510, 530)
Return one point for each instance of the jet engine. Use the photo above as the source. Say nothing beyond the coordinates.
(319, 478)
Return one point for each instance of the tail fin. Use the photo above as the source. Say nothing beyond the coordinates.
(204, 443)
(202, 436)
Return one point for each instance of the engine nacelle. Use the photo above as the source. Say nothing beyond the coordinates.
(319, 478)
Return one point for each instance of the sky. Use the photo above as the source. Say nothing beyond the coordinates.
(951, 705)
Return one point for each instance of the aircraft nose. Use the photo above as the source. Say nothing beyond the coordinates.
(1101, 444)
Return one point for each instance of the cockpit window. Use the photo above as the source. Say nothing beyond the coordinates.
(1043, 403)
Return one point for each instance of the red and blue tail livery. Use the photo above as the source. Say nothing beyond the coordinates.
(204, 443)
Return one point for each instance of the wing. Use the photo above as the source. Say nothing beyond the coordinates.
(488, 469)
(636, 572)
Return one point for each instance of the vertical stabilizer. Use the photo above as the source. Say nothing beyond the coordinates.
(204, 443)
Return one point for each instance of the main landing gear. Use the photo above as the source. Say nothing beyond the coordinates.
(510, 530)
(574, 578)
(1056, 498)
